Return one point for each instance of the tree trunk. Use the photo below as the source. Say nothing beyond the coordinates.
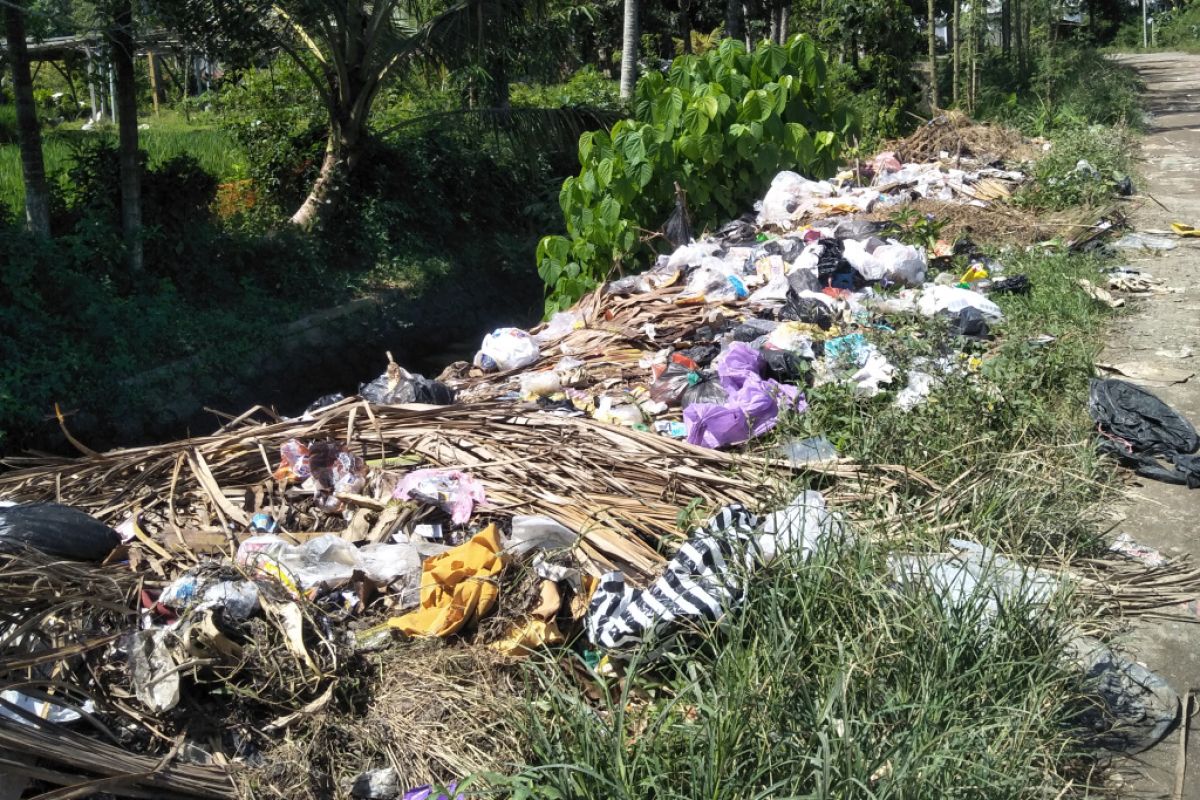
(629, 49)
(1006, 27)
(954, 44)
(33, 169)
(341, 155)
(931, 32)
(773, 21)
(127, 131)
(784, 15)
(733, 19)
(1017, 45)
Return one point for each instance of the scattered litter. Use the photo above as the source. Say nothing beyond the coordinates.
(1145, 241)
(1182, 229)
(1100, 295)
(706, 578)
(803, 452)
(1126, 546)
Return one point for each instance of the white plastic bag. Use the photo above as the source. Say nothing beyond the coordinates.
(505, 349)
(787, 196)
(953, 299)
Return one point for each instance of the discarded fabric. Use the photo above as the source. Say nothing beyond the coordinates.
(456, 587)
(706, 578)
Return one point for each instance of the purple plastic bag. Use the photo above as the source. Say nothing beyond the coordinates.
(751, 410)
(715, 426)
(426, 793)
(740, 362)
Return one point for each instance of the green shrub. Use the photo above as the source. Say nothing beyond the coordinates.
(1062, 180)
(1069, 86)
(719, 126)
(587, 87)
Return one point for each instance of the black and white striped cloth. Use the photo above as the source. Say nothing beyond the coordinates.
(707, 576)
(700, 583)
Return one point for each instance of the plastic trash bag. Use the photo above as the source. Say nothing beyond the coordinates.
(787, 195)
(802, 452)
(562, 323)
(936, 299)
(1145, 241)
(813, 308)
(506, 349)
(398, 386)
(969, 323)
(670, 385)
(1138, 429)
(705, 389)
(56, 530)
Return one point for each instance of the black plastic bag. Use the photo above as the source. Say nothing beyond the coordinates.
(806, 309)
(1138, 428)
(701, 354)
(672, 383)
(324, 401)
(57, 530)
(705, 390)
(785, 366)
(970, 323)
(678, 229)
(397, 386)
(1017, 284)
(832, 267)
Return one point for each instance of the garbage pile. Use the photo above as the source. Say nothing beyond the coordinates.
(531, 497)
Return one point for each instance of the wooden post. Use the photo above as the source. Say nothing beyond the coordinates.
(153, 64)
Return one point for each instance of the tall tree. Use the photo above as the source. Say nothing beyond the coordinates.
(29, 137)
(348, 50)
(123, 51)
(955, 41)
(931, 34)
(629, 48)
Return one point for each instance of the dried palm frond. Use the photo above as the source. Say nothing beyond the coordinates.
(620, 488)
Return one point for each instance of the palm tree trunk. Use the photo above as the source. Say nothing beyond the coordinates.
(784, 15)
(931, 32)
(954, 47)
(629, 49)
(33, 169)
(121, 36)
(341, 155)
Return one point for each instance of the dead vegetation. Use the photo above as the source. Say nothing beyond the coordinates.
(956, 135)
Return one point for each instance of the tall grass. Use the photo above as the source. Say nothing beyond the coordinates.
(827, 683)
(217, 153)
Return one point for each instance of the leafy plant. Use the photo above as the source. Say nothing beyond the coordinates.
(915, 228)
(718, 126)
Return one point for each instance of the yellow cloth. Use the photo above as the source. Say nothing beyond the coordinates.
(455, 587)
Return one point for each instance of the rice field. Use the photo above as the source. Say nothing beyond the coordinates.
(216, 152)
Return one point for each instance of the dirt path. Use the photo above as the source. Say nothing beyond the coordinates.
(1162, 329)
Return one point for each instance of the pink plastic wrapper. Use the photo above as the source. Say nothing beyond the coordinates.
(456, 492)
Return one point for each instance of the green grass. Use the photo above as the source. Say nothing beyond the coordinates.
(217, 153)
(830, 684)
